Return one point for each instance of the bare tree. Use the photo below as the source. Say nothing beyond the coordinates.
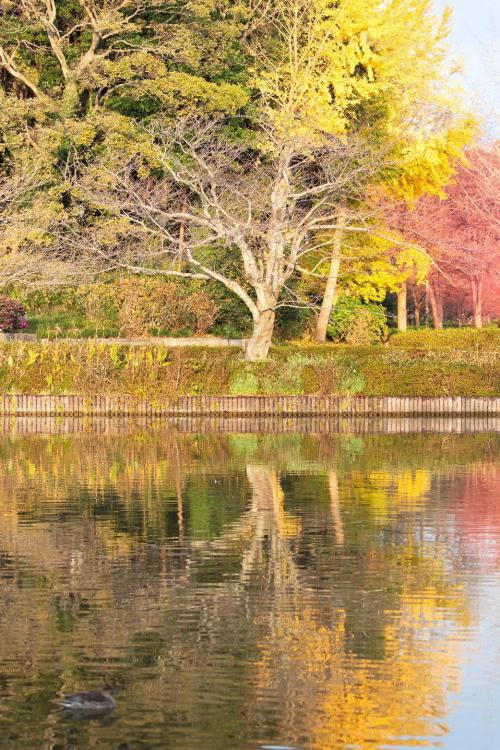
(247, 218)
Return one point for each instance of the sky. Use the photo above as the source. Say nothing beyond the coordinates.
(476, 30)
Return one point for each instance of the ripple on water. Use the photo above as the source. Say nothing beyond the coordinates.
(252, 591)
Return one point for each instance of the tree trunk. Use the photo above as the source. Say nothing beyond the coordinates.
(258, 345)
(402, 310)
(331, 282)
(70, 98)
(436, 300)
(477, 302)
(417, 301)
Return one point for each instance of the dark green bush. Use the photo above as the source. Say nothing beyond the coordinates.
(353, 322)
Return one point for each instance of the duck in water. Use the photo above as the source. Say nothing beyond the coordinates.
(95, 702)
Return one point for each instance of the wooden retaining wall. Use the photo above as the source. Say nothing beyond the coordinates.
(253, 406)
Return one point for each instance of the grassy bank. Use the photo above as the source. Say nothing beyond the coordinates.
(156, 372)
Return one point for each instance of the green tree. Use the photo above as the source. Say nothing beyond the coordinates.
(79, 78)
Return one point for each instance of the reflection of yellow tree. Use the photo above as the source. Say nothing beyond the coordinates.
(383, 489)
(329, 694)
(338, 700)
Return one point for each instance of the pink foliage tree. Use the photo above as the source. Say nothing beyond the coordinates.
(469, 240)
(462, 235)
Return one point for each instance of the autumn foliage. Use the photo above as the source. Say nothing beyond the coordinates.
(461, 233)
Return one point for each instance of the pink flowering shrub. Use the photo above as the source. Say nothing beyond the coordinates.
(12, 315)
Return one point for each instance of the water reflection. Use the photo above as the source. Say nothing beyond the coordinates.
(244, 590)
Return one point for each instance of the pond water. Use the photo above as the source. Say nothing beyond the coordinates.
(245, 591)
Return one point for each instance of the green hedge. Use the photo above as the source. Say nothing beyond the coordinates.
(157, 373)
(448, 338)
(356, 323)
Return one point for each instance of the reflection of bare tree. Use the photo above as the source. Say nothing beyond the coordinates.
(178, 488)
(267, 523)
(333, 486)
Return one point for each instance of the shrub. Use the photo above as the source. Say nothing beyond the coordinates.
(143, 304)
(286, 376)
(355, 323)
(50, 300)
(100, 303)
(233, 317)
(131, 305)
(159, 373)
(293, 323)
(12, 315)
(450, 338)
(351, 379)
(244, 384)
(147, 305)
(202, 309)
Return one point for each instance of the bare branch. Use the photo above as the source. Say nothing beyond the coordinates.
(9, 65)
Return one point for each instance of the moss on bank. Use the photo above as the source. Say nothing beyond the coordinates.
(155, 372)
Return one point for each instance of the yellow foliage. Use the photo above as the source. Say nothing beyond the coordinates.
(339, 58)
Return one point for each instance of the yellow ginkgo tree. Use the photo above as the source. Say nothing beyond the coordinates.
(362, 70)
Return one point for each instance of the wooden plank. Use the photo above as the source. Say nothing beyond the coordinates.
(284, 406)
